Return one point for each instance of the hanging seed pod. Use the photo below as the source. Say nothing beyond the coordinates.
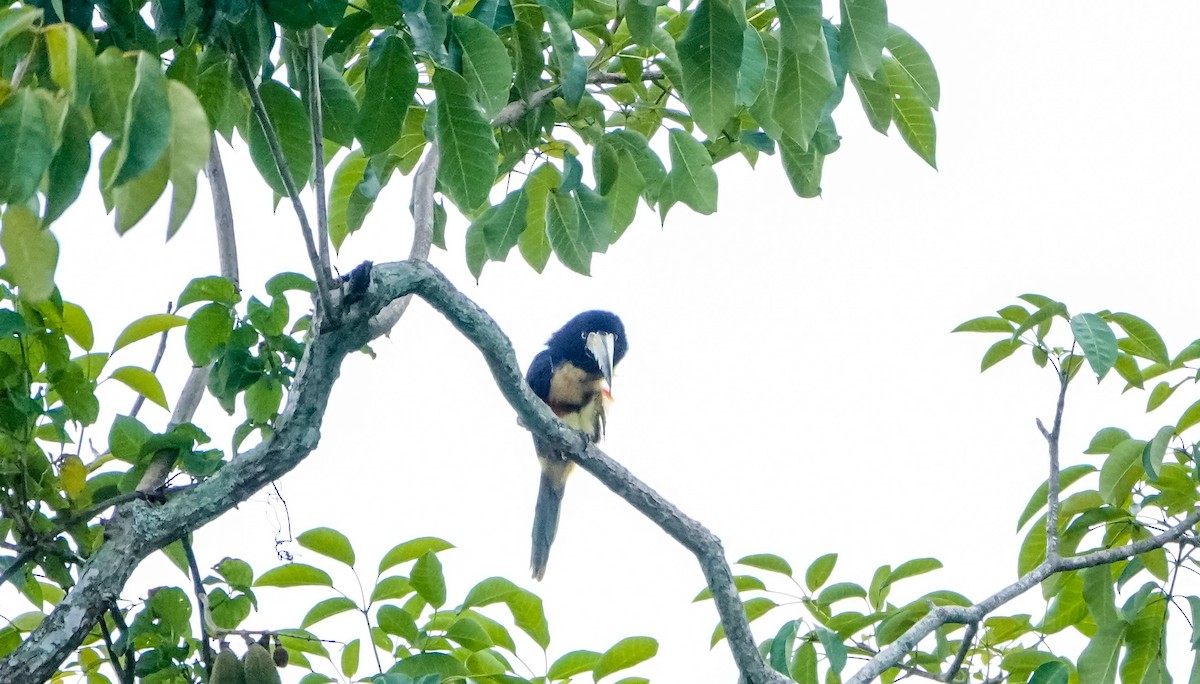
(260, 669)
(227, 669)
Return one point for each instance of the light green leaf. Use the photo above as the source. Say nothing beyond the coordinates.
(576, 662)
(876, 98)
(912, 568)
(294, 575)
(1099, 594)
(208, 289)
(190, 142)
(1106, 440)
(753, 72)
(710, 53)
(835, 649)
(1066, 477)
(819, 571)
(1148, 343)
(143, 382)
(623, 655)
(571, 247)
(914, 61)
(72, 61)
(207, 330)
(328, 542)
(1189, 417)
(467, 146)
(1097, 340)
(1161, 392)
(913, 117)
(985, 324)
(767, 561)
(30, 252)
(146, 326)
(412, 550)
(998, 352)
(327, 608)
(1098, 661)
(347, 177)
(1155, 450)
(534, 243)
(134, 199)
(1120, 471)
(110, 98)
(802, 166)
(428, 580)
(502, 224)
(350, 658)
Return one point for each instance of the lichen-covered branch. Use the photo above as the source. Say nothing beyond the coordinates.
(138, 528)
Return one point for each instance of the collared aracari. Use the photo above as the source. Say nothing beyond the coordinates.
(572, 375)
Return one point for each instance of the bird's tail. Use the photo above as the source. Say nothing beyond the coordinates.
(545, 523)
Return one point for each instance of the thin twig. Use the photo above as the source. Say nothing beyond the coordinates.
(963, 648)
(1053, 484)
(318, 135)
(119, 621)
(158, 355)
(113, 657)
(201, 598)
(513, 111)
(325, 309)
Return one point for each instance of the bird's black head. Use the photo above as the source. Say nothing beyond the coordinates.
(570, 342)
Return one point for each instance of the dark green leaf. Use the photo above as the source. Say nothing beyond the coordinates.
(863, 34)
(710, 54)
(147, 127)
(1097, 340)
(465, 142)
(485, 64)
(914, 61)
(388, 90)
(27, 152)
(692, 179)
(289, 118)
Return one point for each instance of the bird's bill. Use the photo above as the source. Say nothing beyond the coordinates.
(600, 345)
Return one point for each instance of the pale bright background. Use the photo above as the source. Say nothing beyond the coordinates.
(791, 380)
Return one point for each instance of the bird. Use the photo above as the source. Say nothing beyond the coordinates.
(573, 375)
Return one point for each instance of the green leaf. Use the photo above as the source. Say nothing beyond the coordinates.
(1066, 477)
(70, 165)
(803, 86)
(998, 352)
(428, 580)
(110, 97)
(767, 561)
(345, 181)
(913, 117)
(328, 542)
(804, 664)
(1053, 672)
(692, 179)
(30, 252)
(534, 243)
(327, 608)
(1106, 440)
(501, 225)
(1099, 594)
(710, 53)
(1120, 471)
(570, 664)
(985, 324)
(565, 51)
(189, 149)
(802, 166)
(126, 437)
(841, 591)
(1127, 368)
(1155, 450)
(649, 166)
(835, 649)
(485, 64)
(387, 92)
(912, 568)
(288, 280)
(294, 575)
(1097, 340)
(914, 61)
(571, 247)
(1148, 344)
(134, 199)
(17, 20)
(143, 382)
(147, 326)
(799, 23)
(753, 72)
(411, 550)
(27, 152)
(208, 289)
(863, 34)
(1189, 417)
(741, 582)
(289, 117)
(466, 144)
(349, 659)
(207, 330)
(77, 325)
(467, 632)
(147, 127)
(876, 98)
(1161, 392)
(623, 655)
(397, 621)
(391, 588)
(819, 571)
(1098, 661)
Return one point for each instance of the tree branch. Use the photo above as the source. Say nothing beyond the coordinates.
(193, 389)
(318, 135)
(1053, 484)
(289, 183)
(513, 111)
(138, 528)
(895, 652)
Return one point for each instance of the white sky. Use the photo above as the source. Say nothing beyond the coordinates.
(791, 380)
